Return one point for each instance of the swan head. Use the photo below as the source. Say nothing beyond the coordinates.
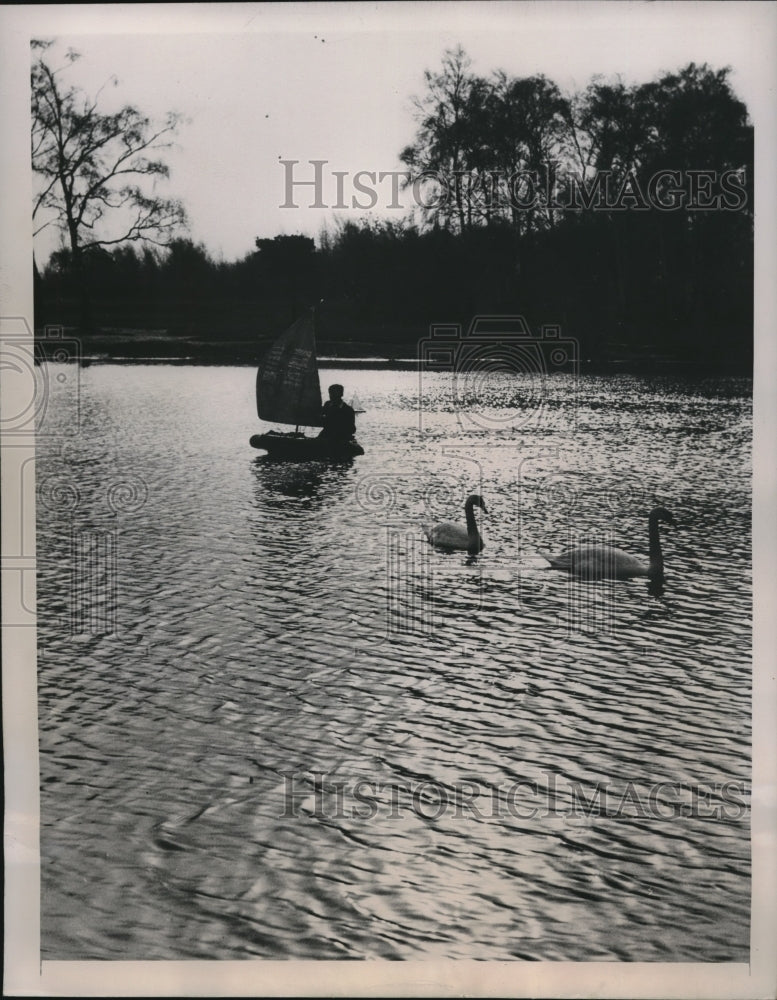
(475, 500)
(661, 514)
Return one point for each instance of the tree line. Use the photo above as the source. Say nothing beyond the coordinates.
(622, 213)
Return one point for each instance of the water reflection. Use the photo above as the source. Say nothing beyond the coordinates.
(289, 479)
(299, 480)
(295, 621)
(656, 587)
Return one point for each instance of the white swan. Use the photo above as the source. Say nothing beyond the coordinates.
(452, 536)
(605, 562)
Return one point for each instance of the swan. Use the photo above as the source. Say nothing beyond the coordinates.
(452, 536)
(597, 562)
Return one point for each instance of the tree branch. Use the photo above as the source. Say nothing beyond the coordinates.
(82, 156)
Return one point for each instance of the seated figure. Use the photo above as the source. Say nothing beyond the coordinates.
(338, 417)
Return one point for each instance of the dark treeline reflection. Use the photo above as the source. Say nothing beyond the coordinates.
(652, 259)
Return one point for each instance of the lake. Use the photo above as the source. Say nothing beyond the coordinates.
(275, 723)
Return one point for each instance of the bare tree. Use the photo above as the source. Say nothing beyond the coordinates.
(97, 173)
(444, 152)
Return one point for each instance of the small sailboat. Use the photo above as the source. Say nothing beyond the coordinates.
(288, 391)
(356, 404)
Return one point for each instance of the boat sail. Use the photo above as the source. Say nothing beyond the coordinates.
(288, 391)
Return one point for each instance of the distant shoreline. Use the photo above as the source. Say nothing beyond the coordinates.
(657, 367)
(151, 347)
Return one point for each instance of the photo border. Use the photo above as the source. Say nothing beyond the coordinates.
(25, 975)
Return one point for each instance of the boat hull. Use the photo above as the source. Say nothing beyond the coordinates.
(294, 447)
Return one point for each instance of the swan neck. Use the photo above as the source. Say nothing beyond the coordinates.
(656, 555)
(470, 515)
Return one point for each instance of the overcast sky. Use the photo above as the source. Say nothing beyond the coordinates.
(261, 83)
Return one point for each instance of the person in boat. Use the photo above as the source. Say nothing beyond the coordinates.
(338, 417)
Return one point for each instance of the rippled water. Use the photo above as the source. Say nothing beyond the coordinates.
(275, 723)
